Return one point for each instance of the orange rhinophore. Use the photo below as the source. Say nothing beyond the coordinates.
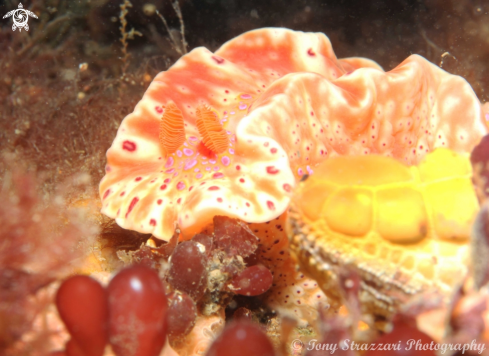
(172, 131)
(214, 136)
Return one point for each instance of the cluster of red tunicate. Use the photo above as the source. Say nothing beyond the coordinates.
(230, 243)
(137, 311)
(130, 313)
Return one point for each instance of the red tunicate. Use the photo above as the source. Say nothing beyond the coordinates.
(402, 333)
(73, 349)
(182, 313)
(241, 338)
(188, 269)
(137, 312)
(254, 280)
(83, 306)
(234, 236)
(206, 241)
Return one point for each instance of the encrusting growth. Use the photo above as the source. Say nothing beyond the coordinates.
(214, 136)
(172, 130)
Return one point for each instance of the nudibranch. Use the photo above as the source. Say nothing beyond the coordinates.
(231, 132)
(404, 230)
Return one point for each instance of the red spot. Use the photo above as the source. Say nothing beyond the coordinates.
(107, 192)
(238, 168)
(287, 187)
(273, 150)
(226, 91)
(311, 52)
(270, 205)
(131, 205)
(138, 179)
(247, 204)
(272, 170)
(167, 180)
(214, 187)
(129, 146)
(219, 200)
(218, 175)
(190, 189)
(159, 201)
(163, 187)
(218, 60)
(266, 144)
(122, 194)
(179, 200)
(312, 113)
(158, 109)
(152, 222)
(241, 180)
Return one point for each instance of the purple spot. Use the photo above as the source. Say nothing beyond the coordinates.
(196, 170)
(242, 106)
(207, 168)
(188, 152)
(131, 205)
(129, 146)
(107, 168)
(487, 117)
(232, 113)
(309, 170)
(204, 162)
(180, 185)
(171, 170)
(218, 60)
(192, 138)
(198, 175)
(189, 164)
(212, 161)
(216, 168)
(169, 162)
(300, 171)
(231, 151)
(218, 175)
(225, 160)
(179, 153)
(246, 96)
